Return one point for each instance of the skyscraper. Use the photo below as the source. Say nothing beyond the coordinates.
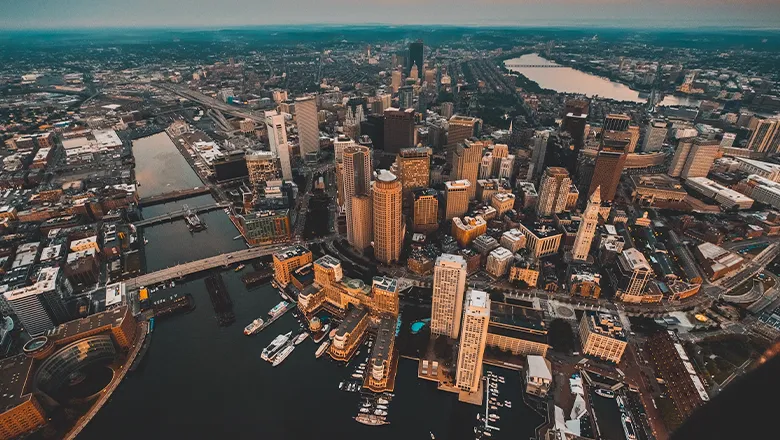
(587, 229)
(415, 55)
(414, 168)
(308, 124)
(425, 210)
(449, 285)
(766, 136)
(398, 129)
(465, 163)
(553, 191)
(457, 198)
(357, 180)
(473, 334)
(388, 224)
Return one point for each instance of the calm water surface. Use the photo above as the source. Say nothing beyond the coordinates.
(568, 80)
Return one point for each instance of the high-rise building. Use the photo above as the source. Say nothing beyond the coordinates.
(388, 224)
(308, 124)
(40, 307)
(356, 160)
(414, 168)
(425, 210)
(457, 198)
(398, 129)
(616, 122)
(261, 166)
(655, 134)
(449, 285)
(766, 136)
(415, 55)
(476, 316)
(465, 163)
(553, 191)
(587, 229)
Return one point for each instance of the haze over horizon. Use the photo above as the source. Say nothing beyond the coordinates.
(41, 14)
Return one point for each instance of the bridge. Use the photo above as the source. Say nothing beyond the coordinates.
(175, 215)
(173, 196)
(520, 66)
(184, 269)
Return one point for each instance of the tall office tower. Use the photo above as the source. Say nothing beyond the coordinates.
(449, 285)
(465, 163)
(425, 210)
(616, 122)
(655, 134)
(395, 81)
(539, 142)
(388, 224)
(40, 307)
(339, 144)
(414, 73)
(357, 181)
(457, 198)
(406, 97)
(398, 129)
(261, 166)
(362, 221)
(277, 132)
(414, 168)
(308, 124)
(415, 55)
(553, 191)
(587, 229)
(606, 173)
(700, 159)
(473, 334)
(447, 109)
(766, 136)
(460, 129)
(680, 156)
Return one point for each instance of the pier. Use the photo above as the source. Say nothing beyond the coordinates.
(173, 196)
(175, 215)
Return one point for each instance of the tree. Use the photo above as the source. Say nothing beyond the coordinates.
(561, 336)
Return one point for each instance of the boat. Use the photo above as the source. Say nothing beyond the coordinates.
(254, 327)
(628, 427)
(382, 401)
(320, 335)
(322, 349)
(278, 309)
(239, 268)
(279, 358)
(371, 420)
(301, 337)
(609, 394)
(275, 346)
(379, 412)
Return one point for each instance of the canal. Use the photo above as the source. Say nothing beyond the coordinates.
(202, 381)
(569, 80)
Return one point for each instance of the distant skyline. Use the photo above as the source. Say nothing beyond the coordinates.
(43, 14)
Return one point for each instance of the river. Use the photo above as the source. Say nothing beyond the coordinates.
(569, 80)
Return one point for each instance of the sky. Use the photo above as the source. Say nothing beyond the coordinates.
(47, 14)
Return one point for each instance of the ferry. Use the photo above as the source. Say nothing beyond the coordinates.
(279, 358)
(323, 348)
(278, 309)
(275, 346)
(322, 333)
(628, 427)
(239, 268)
(371, 420)
(254, 327)
(609, 394)
(301, 337)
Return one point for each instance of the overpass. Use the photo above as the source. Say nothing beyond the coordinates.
(175, 215)
(173, 196)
